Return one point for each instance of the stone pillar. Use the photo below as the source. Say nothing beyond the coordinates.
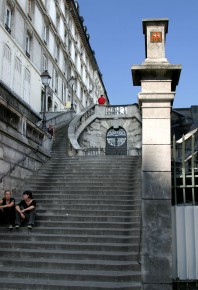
(158, 80)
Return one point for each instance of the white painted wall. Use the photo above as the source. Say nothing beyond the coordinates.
(29, 92)
(19, 29)
(38, 21)
(62, 29)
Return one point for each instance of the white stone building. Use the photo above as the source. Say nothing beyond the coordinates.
(39, 35)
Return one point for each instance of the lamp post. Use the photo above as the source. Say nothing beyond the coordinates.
(72, 82)
(45, 78)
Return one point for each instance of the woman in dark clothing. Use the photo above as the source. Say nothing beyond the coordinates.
(7, 209)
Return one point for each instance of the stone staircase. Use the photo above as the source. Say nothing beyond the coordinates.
(87, 233)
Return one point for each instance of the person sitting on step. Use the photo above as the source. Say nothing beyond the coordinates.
(26, 210)
(7, 209)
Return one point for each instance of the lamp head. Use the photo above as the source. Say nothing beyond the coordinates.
(72, 80)
(45, 78)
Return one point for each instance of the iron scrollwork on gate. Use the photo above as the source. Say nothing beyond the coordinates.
(116, 142)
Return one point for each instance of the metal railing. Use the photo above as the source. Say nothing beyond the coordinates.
(93, 151)
(185, 169)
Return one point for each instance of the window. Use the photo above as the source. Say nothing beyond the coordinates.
(69, 46)
(27, 45)
(55, 107)
(44, 66)
(26, 89)
(56, 83)
(7, 53)
(81, 51)
(75, 106)
(76, 59)
(46, 34)
(82, 75)
(18, 65)
(8, 20)
(81, 95)
(29, 9)
(65, 38)
(63, 92)
(70, 23)
(17, 76)
(69, 71)
(58, 22)
(27, 75)
(76, 37)
(6, 67)
(56, 53)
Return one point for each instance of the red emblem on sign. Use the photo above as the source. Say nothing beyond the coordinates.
(156, 36)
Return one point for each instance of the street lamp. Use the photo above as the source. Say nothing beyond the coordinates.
(45, 78)
(72, 82)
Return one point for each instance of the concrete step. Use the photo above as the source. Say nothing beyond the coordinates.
(87, 171)
(88, 217)
(85, 238)
(44, 284)
(86, 178)
(98, 197)
(95, 213)
(43, 200)
(88, 187)
(134, 192)
(90, 224)
(85, 275)
(91, 207)
(73, 264)
(84, 181)
(71, 230)
(19, 253)
(74, 246)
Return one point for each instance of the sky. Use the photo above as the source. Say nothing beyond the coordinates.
(116, 36)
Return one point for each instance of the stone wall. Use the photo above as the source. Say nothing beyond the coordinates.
(18, 161)
(24, 147)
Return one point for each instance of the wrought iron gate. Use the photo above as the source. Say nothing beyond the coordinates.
(116, 142)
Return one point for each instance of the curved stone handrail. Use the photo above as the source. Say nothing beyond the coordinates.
(77, 125)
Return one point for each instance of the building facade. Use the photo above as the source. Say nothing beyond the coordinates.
(39, 35)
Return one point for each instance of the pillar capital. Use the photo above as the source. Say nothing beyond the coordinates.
(155, 38)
